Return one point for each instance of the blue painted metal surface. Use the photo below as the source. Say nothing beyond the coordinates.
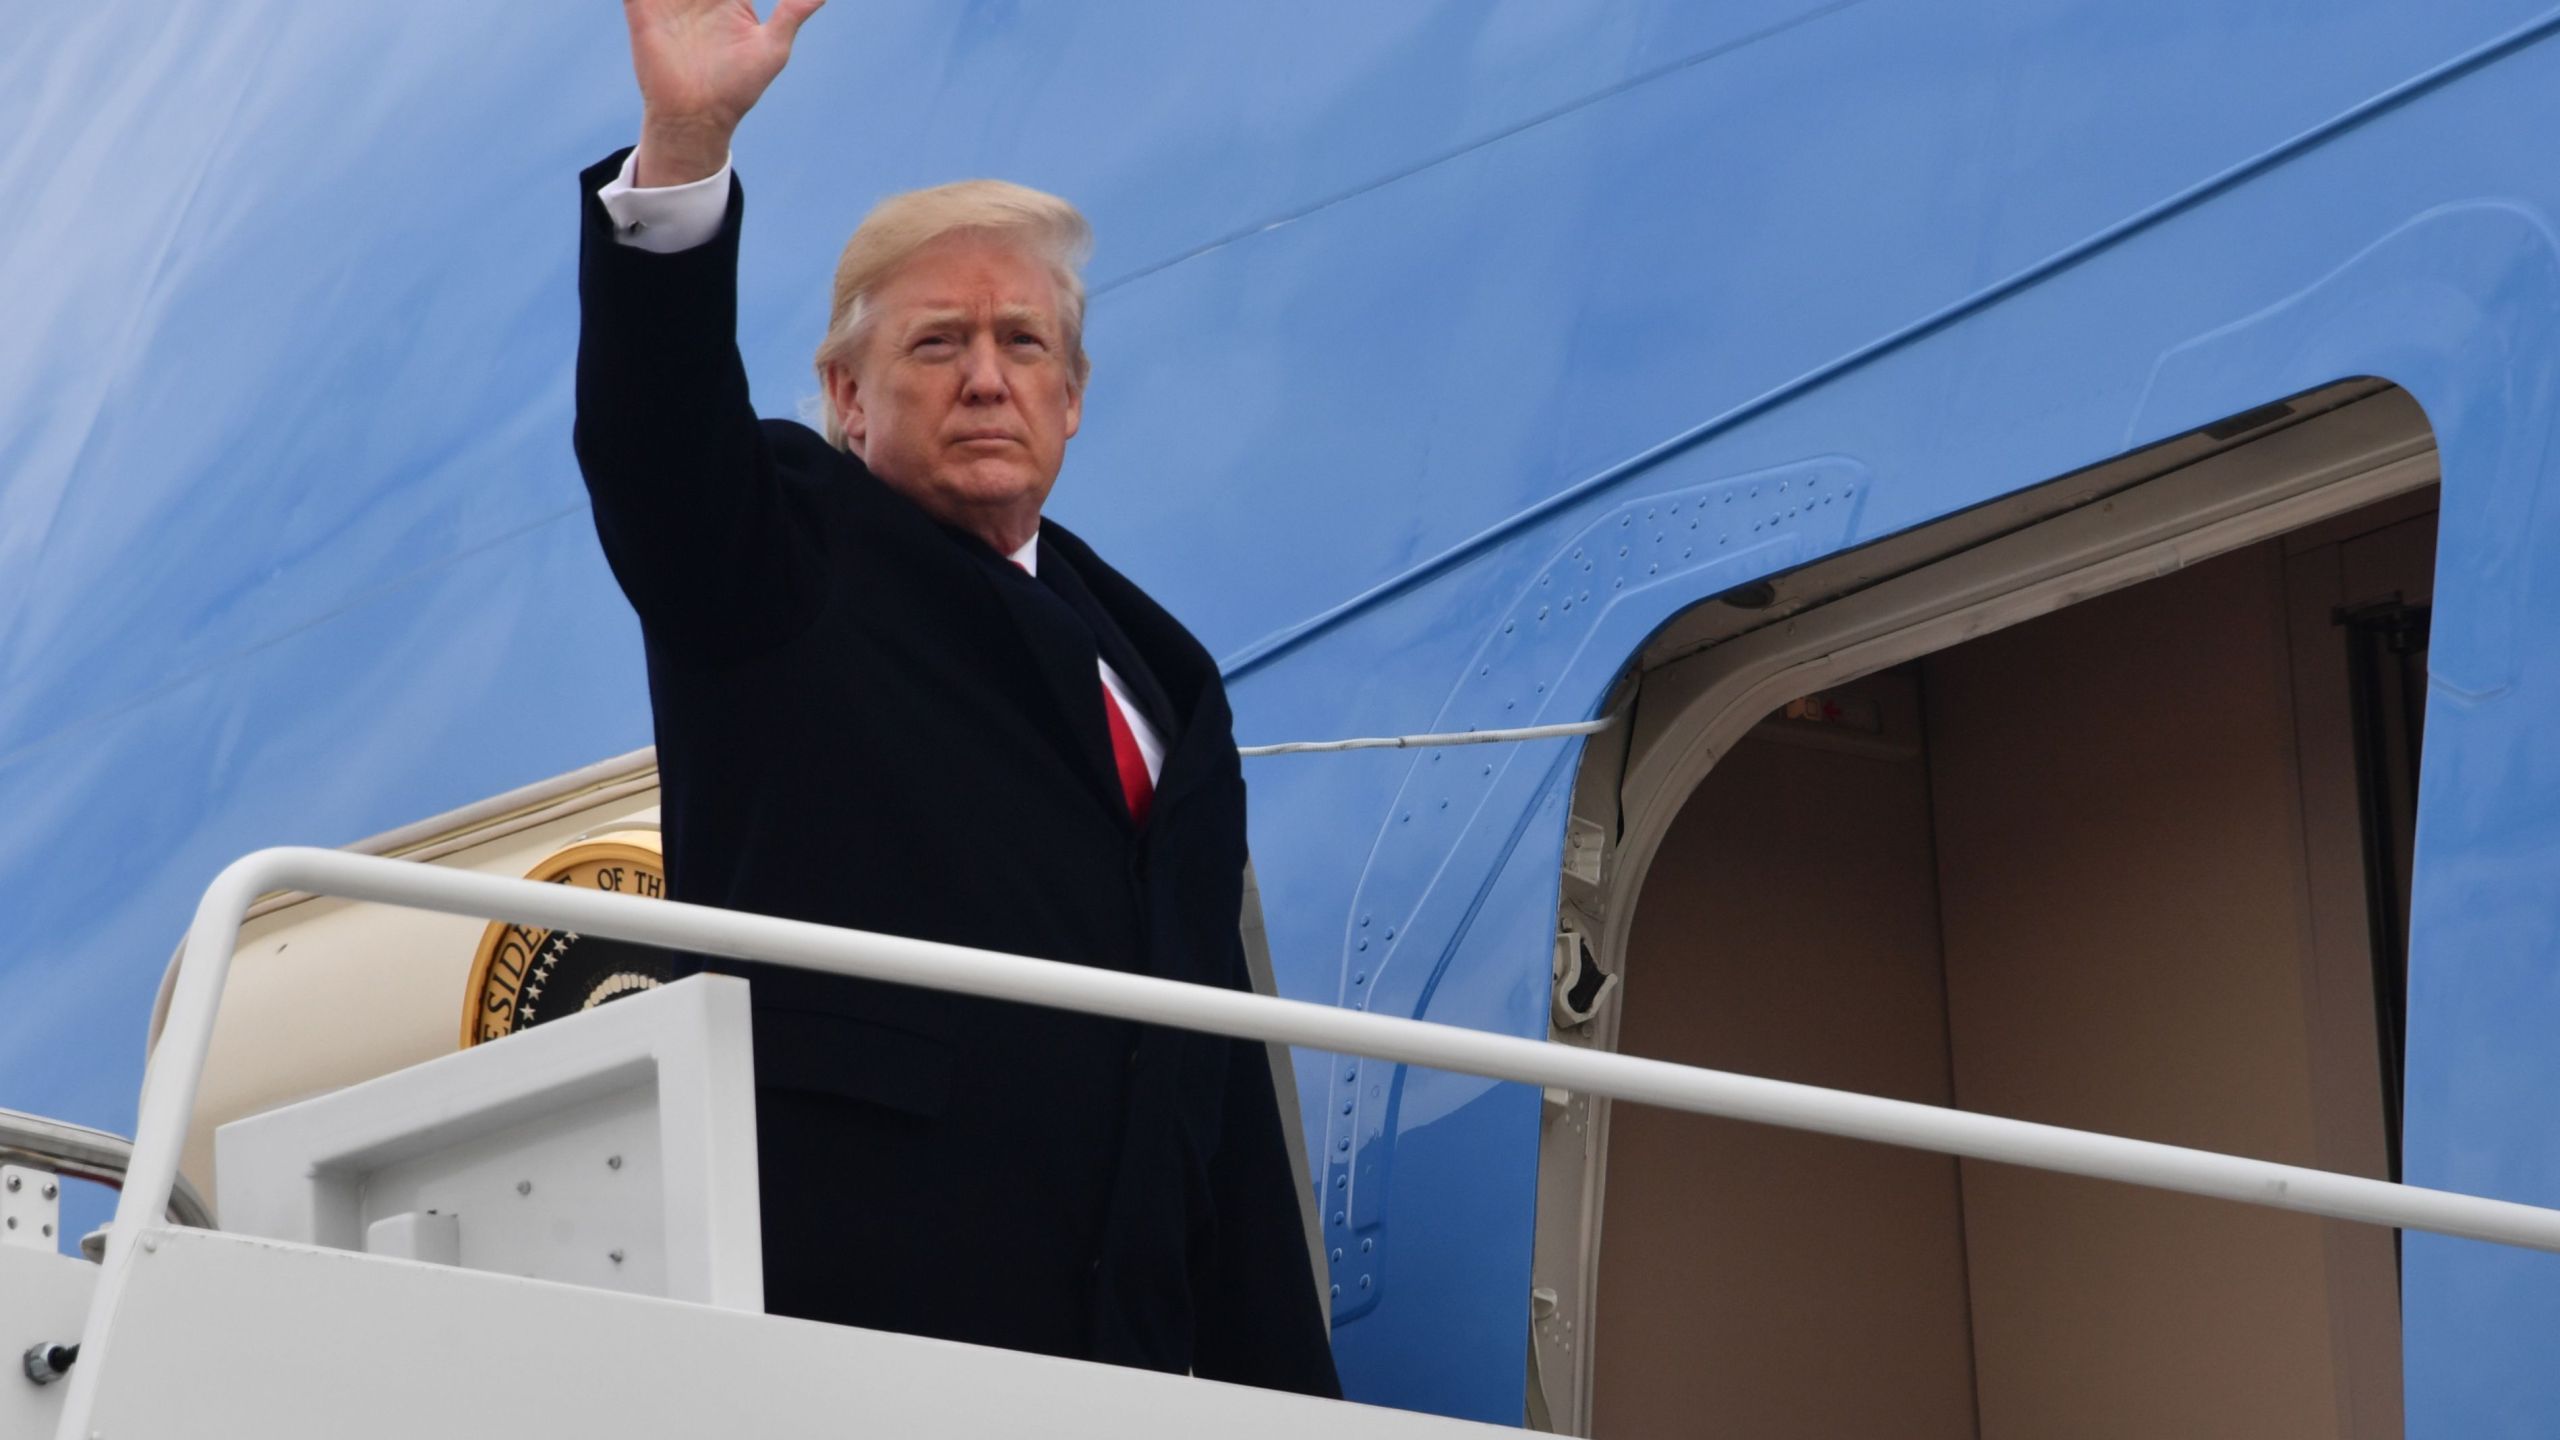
(1406, 314)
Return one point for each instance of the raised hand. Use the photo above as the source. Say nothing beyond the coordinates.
(702, 64)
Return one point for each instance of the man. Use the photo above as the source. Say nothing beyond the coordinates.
(890, 696)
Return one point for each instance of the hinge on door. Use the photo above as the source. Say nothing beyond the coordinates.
(1585, 845)
(1581, 987)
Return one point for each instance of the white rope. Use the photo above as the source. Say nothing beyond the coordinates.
(1409, 742)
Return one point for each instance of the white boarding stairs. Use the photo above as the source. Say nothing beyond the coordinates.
(556, 1235)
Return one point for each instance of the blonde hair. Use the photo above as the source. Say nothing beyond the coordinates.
(1041, 224)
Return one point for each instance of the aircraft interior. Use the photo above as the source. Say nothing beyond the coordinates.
(2138, 864)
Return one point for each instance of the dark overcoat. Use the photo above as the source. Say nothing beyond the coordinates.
(868, 720)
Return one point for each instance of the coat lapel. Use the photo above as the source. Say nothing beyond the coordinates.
(1202, 746)
(1137, 672)
(1057, 644)
(1196, 760)
(1061, 649)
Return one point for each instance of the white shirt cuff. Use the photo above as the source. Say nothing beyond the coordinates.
(667, 218)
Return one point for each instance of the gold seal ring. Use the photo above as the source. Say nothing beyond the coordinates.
(515, 961)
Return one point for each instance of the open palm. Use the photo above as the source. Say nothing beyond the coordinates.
(704, 63)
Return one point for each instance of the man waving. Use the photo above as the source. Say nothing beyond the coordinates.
(889, 695)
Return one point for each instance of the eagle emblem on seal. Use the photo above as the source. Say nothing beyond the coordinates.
(524, 976)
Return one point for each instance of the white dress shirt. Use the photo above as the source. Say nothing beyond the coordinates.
(669, 218)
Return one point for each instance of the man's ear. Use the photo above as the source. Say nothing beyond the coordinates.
(1075, 408)
(845, 397)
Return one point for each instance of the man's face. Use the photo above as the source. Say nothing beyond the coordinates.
(963, 395)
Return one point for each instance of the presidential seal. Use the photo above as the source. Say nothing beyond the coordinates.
(525, 976)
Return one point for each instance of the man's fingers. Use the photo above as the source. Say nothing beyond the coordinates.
(787, 16)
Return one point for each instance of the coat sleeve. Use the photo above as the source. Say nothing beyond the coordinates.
(696, 519)
(1257, 1321)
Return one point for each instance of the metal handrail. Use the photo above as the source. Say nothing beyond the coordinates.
(85, 1154)
(169, 1086)
(1440, 739)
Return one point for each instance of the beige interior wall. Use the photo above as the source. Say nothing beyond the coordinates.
(2125, 925)
(2114, 881)
(1767, 1283)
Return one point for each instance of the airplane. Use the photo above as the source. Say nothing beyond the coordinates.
(1987, 515)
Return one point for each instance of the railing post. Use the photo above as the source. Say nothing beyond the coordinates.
(169, 1083)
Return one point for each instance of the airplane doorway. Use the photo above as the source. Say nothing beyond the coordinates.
(2138, 864)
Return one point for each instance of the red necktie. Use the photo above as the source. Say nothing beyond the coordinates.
(1135, 787)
